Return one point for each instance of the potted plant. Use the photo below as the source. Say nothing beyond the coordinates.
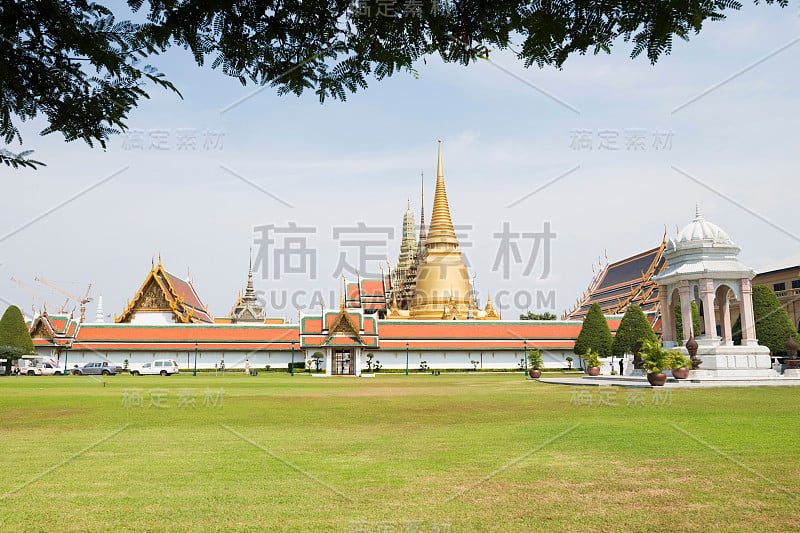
(569, 362)
(680, 365)
(535, 363)
(654, 360)
(592, 363)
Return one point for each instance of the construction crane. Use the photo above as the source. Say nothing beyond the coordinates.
(82, 300)
(36, 295)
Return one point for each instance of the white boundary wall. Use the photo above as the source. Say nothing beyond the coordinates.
(389, 359)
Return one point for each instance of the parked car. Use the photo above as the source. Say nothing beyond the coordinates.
(50, 368)
(28, 368)
(40, 367)
(165, 367)
(104, 367)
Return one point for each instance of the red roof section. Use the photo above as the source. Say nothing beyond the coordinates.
(223, 337)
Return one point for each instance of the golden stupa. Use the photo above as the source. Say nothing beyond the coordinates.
(442, 288)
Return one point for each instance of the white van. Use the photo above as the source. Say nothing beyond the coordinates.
(164, 367)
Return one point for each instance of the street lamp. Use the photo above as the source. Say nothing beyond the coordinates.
(195, 359)
(291, 368)
(66, 354)
(406, 359)
(525, 355)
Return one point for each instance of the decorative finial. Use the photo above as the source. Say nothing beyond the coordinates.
(697, 213)
(439, 171)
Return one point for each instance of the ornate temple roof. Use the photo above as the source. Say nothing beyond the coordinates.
(623, 283)
(53, 330)
(369, 294)
(342, 328)
(166, 292)
(247, 308)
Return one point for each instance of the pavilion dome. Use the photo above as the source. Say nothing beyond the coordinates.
(701, 230)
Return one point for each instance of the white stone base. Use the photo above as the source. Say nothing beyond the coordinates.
(792, 373)
(733, 361)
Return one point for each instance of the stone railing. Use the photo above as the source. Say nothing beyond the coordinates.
(787, 293)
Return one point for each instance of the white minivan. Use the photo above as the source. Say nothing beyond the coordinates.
(165, 367)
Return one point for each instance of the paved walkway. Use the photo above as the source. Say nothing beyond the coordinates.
(641, 382)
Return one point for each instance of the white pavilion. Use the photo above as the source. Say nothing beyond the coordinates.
(703, 265)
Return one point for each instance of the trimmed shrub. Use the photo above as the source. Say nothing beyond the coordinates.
(595, 334)
(773, 326)
(633, 328)
(15, 339)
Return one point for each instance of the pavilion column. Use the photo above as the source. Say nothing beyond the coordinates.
(328, 361)
(707, 296)
(684, 290)
(725, 317)
(667, 318)
(746, 313)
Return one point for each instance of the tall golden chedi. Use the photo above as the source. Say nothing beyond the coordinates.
(435, 285)
(443, 289)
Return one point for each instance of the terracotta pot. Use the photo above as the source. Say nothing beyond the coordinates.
(680, 373)
(593, 370)
(535, 374)
(657, 380)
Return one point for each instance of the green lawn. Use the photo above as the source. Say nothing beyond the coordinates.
(461, 452)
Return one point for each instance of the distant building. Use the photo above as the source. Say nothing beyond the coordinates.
(785, 283)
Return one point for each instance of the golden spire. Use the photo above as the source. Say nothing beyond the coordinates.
(442, 277)
(441, 233)
(422, 211)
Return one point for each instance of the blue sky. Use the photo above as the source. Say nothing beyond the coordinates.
(337, 164)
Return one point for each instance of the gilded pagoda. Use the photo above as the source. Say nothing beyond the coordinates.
(430, 281)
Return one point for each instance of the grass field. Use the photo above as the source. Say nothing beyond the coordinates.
(395, 453)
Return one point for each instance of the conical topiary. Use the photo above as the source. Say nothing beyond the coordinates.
(595, 334)
(773, 326)
(15, 339)
(633, 328)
